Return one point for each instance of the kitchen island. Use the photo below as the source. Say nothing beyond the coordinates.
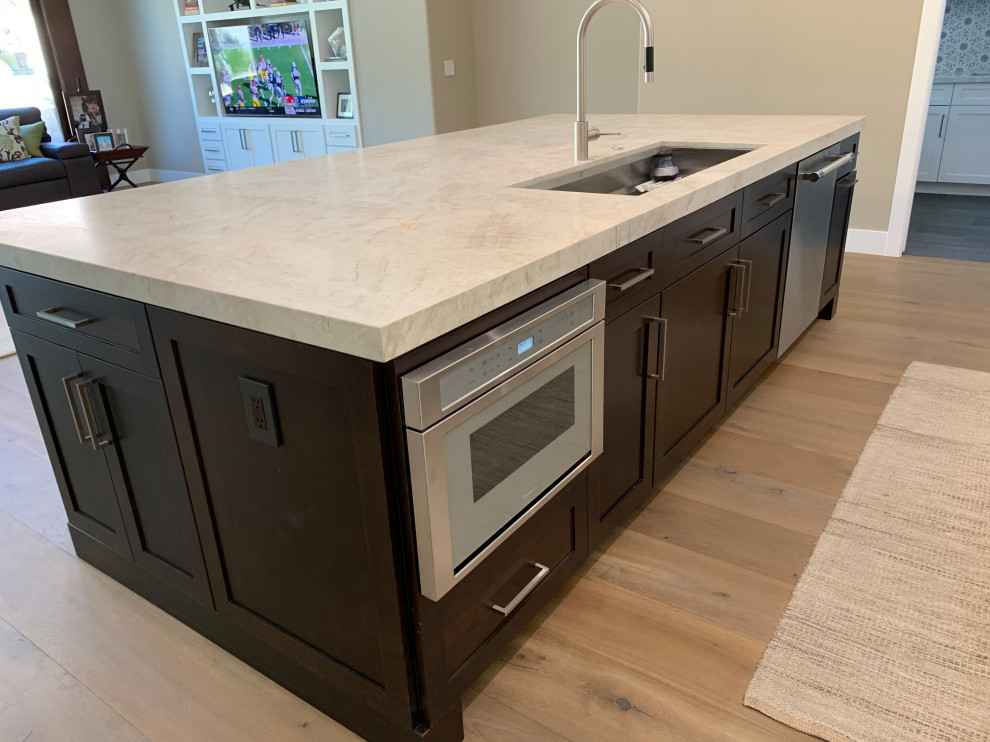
(226, 417)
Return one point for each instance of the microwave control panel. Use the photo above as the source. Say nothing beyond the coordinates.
(514, 351)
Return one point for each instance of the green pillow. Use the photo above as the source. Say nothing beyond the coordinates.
(33, 134)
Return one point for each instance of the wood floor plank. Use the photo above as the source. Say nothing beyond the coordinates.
(41, 702)
(836, 441)
(767, 549)
(583, 696)
(29, 493)
(721, 593)
(19, 425)
(748, 494)
(163, 677)
(11, 376)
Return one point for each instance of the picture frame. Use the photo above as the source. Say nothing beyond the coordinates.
(90, 140)
(103, 141)
(345, 106)
(86, 112)
(199, 53)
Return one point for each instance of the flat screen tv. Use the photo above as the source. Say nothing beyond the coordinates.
(266, 69)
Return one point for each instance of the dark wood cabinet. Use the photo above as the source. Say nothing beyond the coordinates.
(756, 327)
(133, 418)
(110, 439)
(296, 530)
(694, 334)
(625, 468)
(52, 374)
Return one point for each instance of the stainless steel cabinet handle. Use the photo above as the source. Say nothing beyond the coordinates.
(212, 149)
(530, 587)
(737, 271)
(662, 350)
(87, 411)
(67, 384)
(748, 272)
(244, 139)
(644, 274)
(52, 315)
(215, 169)
(771, 199)
(941, 127)
(339, 135)
(715, 233)
(816, 175)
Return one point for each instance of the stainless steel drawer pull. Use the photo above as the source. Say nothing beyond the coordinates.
(341, 135)
(87, 411)
(67, 383)
(644, 274)
(212, 149)
(524, 593)
(714, 233)
(771, 199)
(52, 315)
(816, 175)
(737, 272)
(748, 267)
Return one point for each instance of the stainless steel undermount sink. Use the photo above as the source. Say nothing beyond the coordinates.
(622, 178)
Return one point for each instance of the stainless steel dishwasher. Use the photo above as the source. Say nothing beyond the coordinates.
(809, 242)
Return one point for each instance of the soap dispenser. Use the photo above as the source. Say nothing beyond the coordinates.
(664, 167)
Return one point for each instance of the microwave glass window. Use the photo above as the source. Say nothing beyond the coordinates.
(513, 448)
(521, 432)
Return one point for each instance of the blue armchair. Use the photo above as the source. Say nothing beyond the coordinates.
(65, 171)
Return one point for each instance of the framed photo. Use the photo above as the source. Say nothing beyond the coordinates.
(345, 106)
(199, 51)
(86, 110)
(103, 141)
(90, 140)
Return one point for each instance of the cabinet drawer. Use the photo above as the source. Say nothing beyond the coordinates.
(341, 136)
(767, 199)
(941, 95)
(213, 150)
(630, 274)
(209, 131)
(215, 166)
(474, 631)
(106, 327)
(972, 94)
(691, 242)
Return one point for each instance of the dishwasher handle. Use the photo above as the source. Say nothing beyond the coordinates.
(815, 175)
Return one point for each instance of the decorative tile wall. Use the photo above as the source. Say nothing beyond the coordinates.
(965, 45)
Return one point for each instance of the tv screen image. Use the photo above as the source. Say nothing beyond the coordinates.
(266, 69)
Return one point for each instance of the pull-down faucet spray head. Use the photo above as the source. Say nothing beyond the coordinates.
(581, 134)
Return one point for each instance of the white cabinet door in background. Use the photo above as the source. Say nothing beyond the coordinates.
(298, 142)
(931, 145)
(966, 154)
(248, 145)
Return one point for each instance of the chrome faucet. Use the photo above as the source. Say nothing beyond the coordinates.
(582, 133)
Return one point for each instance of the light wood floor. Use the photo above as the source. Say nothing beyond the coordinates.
(655, 640)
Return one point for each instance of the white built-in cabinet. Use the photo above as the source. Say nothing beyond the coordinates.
(237, 142)
(956, 144)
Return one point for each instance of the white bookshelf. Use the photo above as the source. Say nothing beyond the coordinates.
(305, 133)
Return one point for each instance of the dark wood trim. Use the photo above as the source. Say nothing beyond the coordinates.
(60, 47)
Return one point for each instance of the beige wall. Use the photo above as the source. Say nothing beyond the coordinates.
(455, 99)
(103, 43)
(714, 56)
(781, 56)
(393, 69)
(526, 53)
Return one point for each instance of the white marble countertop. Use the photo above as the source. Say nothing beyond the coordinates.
(377, 251)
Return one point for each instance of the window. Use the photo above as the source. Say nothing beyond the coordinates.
(24, 79)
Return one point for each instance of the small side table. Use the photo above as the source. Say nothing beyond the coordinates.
(122, 158)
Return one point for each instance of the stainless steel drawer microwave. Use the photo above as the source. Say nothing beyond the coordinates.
(496, 427)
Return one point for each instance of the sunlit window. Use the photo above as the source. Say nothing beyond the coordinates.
(23, 75)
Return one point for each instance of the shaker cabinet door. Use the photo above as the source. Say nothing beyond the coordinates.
(632, 369)
(692, 391)
(966, 155)
(756, 328)
(132, 415)
(58, 390)
(932, 142)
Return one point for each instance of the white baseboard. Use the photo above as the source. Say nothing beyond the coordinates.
(953, 189)
(867, 241)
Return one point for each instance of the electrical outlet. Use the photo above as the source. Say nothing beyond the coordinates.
(448, 67)
(259, 408)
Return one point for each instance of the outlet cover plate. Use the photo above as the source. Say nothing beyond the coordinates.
(259, 410)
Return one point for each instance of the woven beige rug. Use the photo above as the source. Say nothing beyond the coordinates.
(887, 635)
